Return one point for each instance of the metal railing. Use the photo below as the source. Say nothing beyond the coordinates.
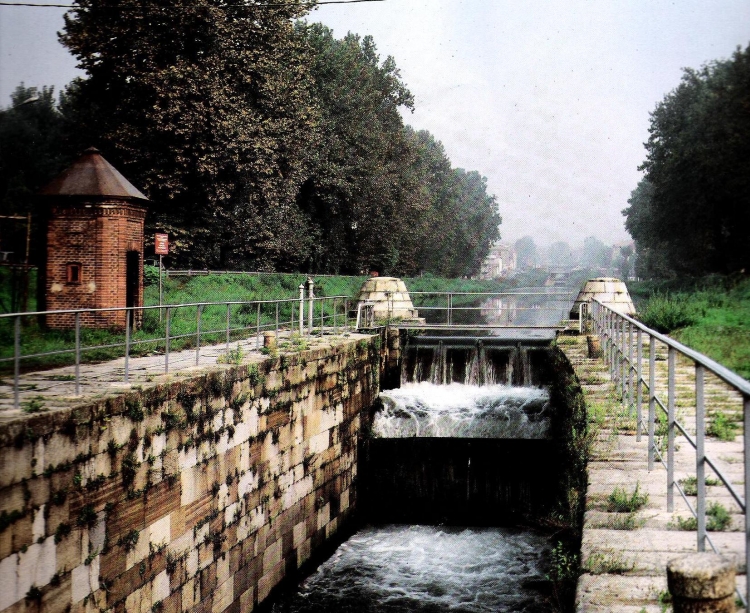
(512, 309)
(622, 340)
(183, 324)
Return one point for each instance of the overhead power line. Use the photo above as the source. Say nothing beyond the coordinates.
(154, 6)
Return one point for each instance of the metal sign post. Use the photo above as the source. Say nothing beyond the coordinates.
(161, 248)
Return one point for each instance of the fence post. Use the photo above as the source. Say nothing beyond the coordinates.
(78, 353)
(630, 368)
(346, 314)
(198, 334)
(229, 312)
(639, 385)
(127, 342)
(613, 342)
(651, 400)
(623, 360)
(671, 427)
(257, 329)
(335, 326)
(311, 304)
(166, 341)
(16, 361)
(277, 319)
(301, 309)
(700, 455)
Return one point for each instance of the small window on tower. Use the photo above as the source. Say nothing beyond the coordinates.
(74, 273)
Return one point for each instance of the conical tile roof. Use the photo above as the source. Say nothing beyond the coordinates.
(92, 175)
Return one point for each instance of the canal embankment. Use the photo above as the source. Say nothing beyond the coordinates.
(200, 489)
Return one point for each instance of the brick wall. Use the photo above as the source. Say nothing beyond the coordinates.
(200, 495)
(98, 237)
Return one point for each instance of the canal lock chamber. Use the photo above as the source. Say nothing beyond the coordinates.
(470, 485)
(481, 432)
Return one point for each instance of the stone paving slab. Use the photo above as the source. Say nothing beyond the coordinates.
(625, 569)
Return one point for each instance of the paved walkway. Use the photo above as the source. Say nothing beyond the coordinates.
(625, 556)
(55, 389)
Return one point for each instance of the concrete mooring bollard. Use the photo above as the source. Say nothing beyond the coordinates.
(595, 346)
(702, 583)
(269, 340)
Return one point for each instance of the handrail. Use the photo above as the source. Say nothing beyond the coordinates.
(256, 309)
(616, 331)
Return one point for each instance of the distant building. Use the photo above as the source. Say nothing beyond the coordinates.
(500, 261)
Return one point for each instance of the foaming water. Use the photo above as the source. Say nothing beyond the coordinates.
(402, 569)
(463, 411)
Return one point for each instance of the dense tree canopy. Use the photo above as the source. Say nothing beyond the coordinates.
(32, 151)
(691, 213)
(262, 142)
(208, 109)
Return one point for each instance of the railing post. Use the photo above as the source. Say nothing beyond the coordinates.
(78, 353)
(198, 334)
(16, 360)
(346, 314)
(322, 315)
(301, 309)
(630, 368)
(671, 427)
(229, 312)
(651, 400)
(746, 436)
(128, 312)
(623, 360)
(700, 455)
(335, 326)
(612, 346)
(450, 308)
(277, 319)
(166, 340)
(257, 329)
(311, 304)
(639, 385)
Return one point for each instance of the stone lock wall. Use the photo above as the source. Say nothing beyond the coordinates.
(198, 495)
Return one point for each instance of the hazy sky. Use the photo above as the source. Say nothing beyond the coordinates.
(549, 100)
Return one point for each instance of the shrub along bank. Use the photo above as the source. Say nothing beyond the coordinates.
(710, 315)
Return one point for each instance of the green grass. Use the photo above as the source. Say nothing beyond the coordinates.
(718, 519)
(620, 501)
(149, 338)
(711, 315)
(722, 427)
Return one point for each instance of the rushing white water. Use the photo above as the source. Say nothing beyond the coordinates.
(463, 411)
(406, 569)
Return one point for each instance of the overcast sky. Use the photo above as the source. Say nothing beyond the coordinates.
(549, 100)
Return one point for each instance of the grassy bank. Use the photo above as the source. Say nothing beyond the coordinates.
(711, 315)
(184, 290)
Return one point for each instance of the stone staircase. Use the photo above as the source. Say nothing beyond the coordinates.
(624, 554)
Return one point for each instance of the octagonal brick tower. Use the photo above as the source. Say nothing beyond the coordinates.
(94, 244)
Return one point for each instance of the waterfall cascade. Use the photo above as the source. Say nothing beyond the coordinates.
(478, 364)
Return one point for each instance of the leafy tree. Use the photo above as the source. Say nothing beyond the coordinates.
(362, 190)
(560, 254)
(692, 211)
(206, 108)
(32, 152)
(526, 252)
(461, 222)
(595, 253)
